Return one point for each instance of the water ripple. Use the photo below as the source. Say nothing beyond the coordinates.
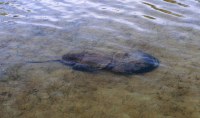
(91, 23)
(162, 10)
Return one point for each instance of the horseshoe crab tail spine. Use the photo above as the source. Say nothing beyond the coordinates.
(58, 60)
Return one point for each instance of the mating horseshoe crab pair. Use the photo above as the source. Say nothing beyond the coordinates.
(123, 63)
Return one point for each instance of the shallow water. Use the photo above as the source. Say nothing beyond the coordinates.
(40, 30)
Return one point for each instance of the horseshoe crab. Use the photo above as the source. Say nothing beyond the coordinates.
(122, 63)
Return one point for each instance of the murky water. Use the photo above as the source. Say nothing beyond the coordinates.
(39, 30)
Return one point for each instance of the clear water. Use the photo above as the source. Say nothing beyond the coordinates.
(39, 30)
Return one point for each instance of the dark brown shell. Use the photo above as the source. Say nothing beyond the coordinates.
(123, 63)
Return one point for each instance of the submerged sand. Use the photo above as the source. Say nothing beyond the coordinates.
(54, 90)
(168, 30)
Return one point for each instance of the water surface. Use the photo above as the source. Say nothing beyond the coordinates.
(39, 30)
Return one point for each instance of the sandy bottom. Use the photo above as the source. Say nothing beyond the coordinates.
(56, 91)
(52, 90)
(40, 29)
